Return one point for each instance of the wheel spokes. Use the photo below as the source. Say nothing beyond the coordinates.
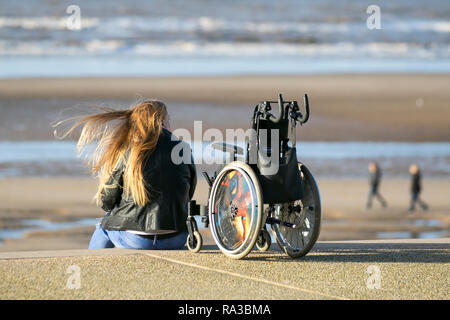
(296, 214)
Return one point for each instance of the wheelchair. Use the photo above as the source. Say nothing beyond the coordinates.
(245, 197)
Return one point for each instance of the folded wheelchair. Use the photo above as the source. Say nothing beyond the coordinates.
(247, 195)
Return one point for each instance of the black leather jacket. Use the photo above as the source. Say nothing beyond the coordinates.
(416, 182)
(374, 178)
(171, 186)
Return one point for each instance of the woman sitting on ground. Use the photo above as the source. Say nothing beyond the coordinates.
(144, 193)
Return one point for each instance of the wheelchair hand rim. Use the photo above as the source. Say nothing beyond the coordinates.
(315, 218)
(256, 218)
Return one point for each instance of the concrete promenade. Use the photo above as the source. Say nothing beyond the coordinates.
(379, 269)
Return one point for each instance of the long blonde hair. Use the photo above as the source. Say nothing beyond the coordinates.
(122, 136)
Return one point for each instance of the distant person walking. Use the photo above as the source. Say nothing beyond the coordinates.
(416, 188)
(374, 180)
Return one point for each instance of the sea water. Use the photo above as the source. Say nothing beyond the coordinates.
(157, 38)
(328, 159)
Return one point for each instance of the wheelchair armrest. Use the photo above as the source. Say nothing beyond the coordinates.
(222, 146)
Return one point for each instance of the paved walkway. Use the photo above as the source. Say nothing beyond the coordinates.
(382, 269)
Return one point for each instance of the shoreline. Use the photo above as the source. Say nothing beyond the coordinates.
(325, 159)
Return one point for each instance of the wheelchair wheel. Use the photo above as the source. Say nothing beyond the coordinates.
(303, 218)
(264, 241)
(194, 244)
(235, 209)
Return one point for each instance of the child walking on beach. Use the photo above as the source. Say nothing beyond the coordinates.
(416, 188)
(374, 180)
(143, 192)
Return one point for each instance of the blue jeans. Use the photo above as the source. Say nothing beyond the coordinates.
(416, 199)
(122, 239)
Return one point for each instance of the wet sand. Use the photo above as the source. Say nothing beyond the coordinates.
(344, 213)
(377, 107)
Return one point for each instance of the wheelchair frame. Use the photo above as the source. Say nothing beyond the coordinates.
(288, 116)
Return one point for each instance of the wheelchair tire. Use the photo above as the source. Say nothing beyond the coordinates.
(195, 245)
(236, 209)
(309, 219)
(264, 241)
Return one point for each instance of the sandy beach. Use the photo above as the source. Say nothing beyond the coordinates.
(381, 107)
(374, 107)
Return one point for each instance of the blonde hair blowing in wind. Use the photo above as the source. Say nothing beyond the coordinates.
(127, 136)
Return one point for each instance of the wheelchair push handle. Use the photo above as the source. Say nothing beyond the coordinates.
(290, 109)
(280, 109)
(266, 107)
(297, 115)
